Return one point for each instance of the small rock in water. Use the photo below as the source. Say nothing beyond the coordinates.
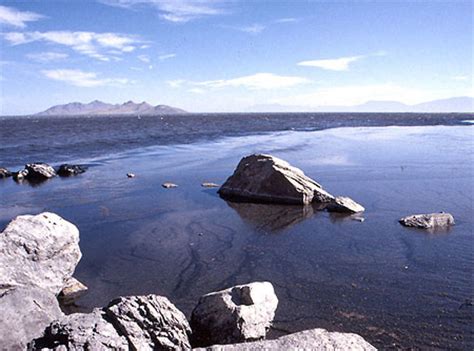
(358, 219)
(40, 171)
(345, 204)
(130, 175)
(209, 185)
(426, 221)
(20, 175)
(168, 185)
(4, 173)
(66, 170)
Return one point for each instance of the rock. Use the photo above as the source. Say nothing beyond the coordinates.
(358, 219)
(81, 331)
(39, 251)
(20, 175)
(426, 221)
(130, 175)
(72, 290)
(264, 178)
(345, 205)
(314, 339)
(39, 171)
(66, 170)
(168, 185)
(209, 185)
(150, 322)
(4, 173)
(240, 313)
(25, 312)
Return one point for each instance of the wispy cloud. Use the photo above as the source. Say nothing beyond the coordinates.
(166, 57)
(144, 58)
(258, 81)
(197, 91)
(251, 29)
(13, 17)
(83, 79)
(287, 20)
(47, 56)
(460, 78)
(178, 11)
(101, 46)
(338, 64)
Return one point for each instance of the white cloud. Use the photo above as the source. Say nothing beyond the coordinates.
(13, 17)
(286, 20)
(144, 58)
(47, 56)
(176, 83)
(197, 91)
(358, 94)
(166, 57)
(252, 29)
(460, 78)
(87, 43)
(178, 11)
(338, 64)
(80, 78)
(258, 81)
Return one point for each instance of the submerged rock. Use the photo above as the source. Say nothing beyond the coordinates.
(427, 221)
(66, 170)
(4, 173)
(150, 322)
(314, 339)
(81, 331)
(25, 312)
(169, 185)
(269, 179)
(209, 185)
(39, 171)
(39, 251)
(72, 290)
(345, 205)
(237, 314)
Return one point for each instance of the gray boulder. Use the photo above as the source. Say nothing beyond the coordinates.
(427, 221)
(81, 331)
(237, 314)
(265, 178)
(67, 170)
(40, 171)
(314, 339)
(344, 205)
(4, 173)
(150, 322)
(39, 251)
(72, 290)
(25, 312)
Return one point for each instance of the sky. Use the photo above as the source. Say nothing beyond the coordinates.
(231, 56)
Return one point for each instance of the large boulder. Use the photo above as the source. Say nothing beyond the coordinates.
(264, 178)
(39, 251)
(314, 339)
(427, 221)
(81, 331)
(150, 322)
(345, 205)
(39, 171)
(241, 313)
(25, 312)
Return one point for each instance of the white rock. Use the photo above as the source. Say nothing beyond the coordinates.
(426, 221)
(345, 204)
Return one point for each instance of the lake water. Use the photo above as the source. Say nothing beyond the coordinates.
(395, 286)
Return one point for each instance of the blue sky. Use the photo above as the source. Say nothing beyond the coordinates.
(214, 56)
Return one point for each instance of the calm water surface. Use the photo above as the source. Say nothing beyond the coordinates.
(395, 286)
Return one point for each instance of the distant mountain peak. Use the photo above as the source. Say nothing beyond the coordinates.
(98, 107)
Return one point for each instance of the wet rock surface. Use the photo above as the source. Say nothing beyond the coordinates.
(169, 185)
(314, 339)
(237, 314)
(4, 173)
(39, 171)
(269, 179)
(428, 221)
(344, 205)
(67, 170)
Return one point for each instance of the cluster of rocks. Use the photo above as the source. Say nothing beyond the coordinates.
(42, 171)
(38, 255)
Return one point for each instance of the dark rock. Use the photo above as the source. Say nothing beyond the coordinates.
(427, 221)
(264, 178)
(314, 339)
(20, 175)
(237, 314)
(4, 173)
(72, 290)
(150, 322)
(66, 170)
(344, 205)
(39, 171)
(169, 185)
(130, 175)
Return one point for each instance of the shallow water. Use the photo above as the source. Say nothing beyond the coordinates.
(395, 286)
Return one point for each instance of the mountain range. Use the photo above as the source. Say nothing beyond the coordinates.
(101, 108)
(455, 104)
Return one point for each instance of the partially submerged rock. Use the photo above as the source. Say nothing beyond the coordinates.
(150, 322)
(81, 331)
(20, 175)
(130, 175)
(237, 314)
(427, 221)
(209, 185)
(39, 251)
(169, 185)
(39, 171)
(72, 290)
(269, 179)
(67, 170)
(314, 339)
(345, 205)
(4, 173)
